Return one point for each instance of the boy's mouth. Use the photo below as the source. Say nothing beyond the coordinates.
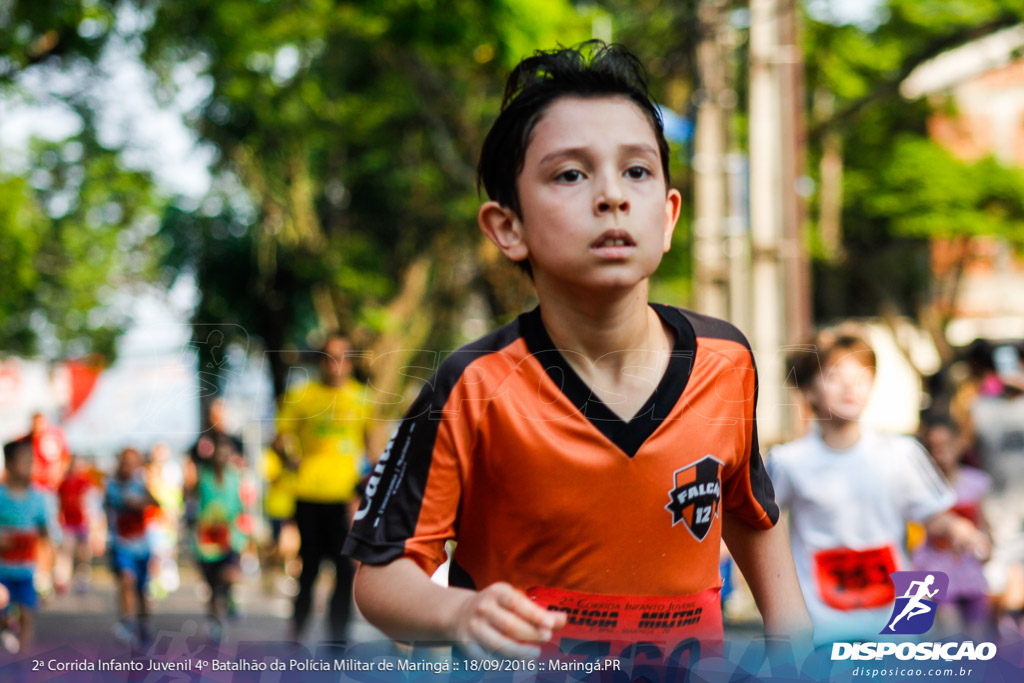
(613, 243)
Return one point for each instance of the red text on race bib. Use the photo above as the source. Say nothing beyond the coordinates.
(855, 579)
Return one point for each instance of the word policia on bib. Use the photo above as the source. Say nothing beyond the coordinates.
(678, 627)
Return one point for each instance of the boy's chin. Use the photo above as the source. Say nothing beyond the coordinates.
(847, 415)
(609, 281)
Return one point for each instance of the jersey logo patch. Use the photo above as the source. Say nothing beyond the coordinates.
(697, 495)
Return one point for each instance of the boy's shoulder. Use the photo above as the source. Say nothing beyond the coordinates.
(790, 452)
(890, 444)
(706, 326)
(501, 349)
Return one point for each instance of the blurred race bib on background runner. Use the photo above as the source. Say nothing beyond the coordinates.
(680, 628)
(855, 579)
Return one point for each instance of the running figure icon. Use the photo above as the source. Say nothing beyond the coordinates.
(917, 592)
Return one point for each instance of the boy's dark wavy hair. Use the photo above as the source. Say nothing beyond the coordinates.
(16, 448)
(591, 69)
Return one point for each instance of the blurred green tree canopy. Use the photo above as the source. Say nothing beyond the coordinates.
(899, 187)
(73, 231)
(75, 224)
(346, 137)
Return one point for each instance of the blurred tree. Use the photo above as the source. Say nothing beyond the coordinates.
(884, 188)
(347, 136)
(51, 32)
(75, 223)
(74, 232)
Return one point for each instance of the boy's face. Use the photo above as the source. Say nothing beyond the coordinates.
(594, 205)
(335, 364)
(842, 389)
(129, 461)
(222, 454)
(19, 468)
(944, 446)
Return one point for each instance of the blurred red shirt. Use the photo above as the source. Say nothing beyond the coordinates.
(72, 498)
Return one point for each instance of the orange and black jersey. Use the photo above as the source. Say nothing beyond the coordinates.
(509, 452)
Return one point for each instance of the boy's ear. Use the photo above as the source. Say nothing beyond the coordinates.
(503, 227)
(673, 205)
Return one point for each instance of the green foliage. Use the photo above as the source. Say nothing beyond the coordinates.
(900, 189)
(21, 225)
(51, 31)
(71, 237)
(925, 192)
(352, 131)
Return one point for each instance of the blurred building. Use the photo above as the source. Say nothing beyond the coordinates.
(978, 90)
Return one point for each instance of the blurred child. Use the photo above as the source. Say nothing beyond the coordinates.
(851, 493)
(218, 539)
(165, 479)
(126, 501)
(74, 555)
(27, 519)
(967, 609)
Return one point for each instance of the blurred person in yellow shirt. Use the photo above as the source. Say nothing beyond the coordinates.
(323, 425)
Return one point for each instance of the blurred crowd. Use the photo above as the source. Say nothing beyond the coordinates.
(280, 511)
(949, 501)
(858, 504)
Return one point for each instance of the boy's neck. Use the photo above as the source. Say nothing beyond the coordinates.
(618, 345)
(839, 434)
(596, 327)
(17, 485)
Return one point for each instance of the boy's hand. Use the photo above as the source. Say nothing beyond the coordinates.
(968, 539)
(500, 620)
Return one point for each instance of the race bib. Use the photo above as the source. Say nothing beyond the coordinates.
(19, 547)
(855, 579)
(131, 523)
(666, 631)
(215, 534)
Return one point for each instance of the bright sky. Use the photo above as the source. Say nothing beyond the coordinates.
(154, 135)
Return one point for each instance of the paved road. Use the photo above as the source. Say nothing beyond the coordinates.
(86, 621)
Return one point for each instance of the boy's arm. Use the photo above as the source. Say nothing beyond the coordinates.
(962, 535)
(400, 599)
(764, 557)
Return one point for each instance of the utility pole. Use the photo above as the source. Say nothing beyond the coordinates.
(711, 260)
(795, 264)
(766, 221)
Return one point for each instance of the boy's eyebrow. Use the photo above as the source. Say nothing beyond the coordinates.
(582, 152)
(568, 153)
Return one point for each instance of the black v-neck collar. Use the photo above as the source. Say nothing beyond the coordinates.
(628, 436)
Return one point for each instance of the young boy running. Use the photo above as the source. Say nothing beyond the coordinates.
(27, 518)
(126, 500)
(851, 493)
(598, 445)
(218, 539)
(73, 495)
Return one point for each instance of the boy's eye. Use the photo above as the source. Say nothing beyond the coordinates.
(570, 176)
(637, 172)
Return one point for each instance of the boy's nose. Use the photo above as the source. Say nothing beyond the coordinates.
(611, 198)
(612, 203)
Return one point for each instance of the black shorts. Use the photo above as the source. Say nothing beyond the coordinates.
(212, 570)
